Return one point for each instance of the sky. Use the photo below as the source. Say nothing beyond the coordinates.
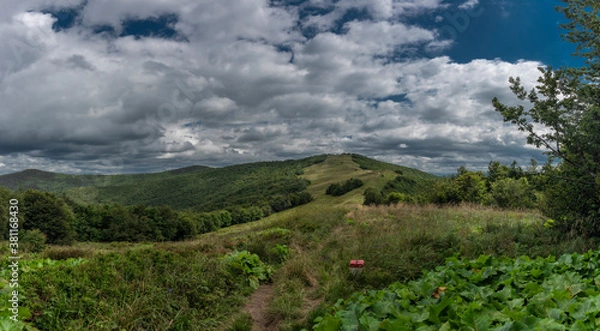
(130, 86)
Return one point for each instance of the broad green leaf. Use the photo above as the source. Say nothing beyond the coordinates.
(9, 325)
(436, 310)
(369, 323)
(579, 326)
(512, 326)
(476, 320)
(328, 323)
(549, 324)
(396, 325)
(515, 303)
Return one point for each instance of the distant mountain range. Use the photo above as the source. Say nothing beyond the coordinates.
(198, 187)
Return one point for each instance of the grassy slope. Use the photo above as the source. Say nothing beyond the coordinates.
(396, 242)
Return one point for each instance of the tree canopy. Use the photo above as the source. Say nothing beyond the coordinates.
(564, 119)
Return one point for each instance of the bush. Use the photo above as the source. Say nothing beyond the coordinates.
(280, 203)
(338, 189)
(33, 241)
(250, 266)
(472, 187)
(373, 197)
(186, 228)
(396, 197)
(512, 193)
(281, 251)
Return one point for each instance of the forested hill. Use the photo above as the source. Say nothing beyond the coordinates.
(199, 188)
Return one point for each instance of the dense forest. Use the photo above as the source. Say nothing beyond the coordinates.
(47, 218)
(198, 188)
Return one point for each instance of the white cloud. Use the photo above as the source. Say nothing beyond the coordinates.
(84, 102)
(469, 4)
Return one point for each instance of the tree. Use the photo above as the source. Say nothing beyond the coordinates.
(512, 193)
(373, 197)
(88, 222)
(49, 214)
(5, 196)
(280, 203)
(444, 191)
(186, 227)
(564, 120)
(471, 187)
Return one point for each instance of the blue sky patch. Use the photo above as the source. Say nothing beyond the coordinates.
(158, 27)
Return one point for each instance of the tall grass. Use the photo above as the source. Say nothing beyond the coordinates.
(398, 242)
(186, 285)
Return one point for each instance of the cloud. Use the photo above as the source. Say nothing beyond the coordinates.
(246, 84)
(469, 4)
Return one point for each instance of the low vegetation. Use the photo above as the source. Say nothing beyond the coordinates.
(203, 282)
(483, 294)
(196, 285)
(338, 189)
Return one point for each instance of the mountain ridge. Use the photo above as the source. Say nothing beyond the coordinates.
(200, 188)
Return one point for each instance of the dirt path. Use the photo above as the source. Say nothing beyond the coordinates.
(257, 308)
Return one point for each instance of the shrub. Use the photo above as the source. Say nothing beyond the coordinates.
(281, 251)
(396, 197)
(33, 241)
(338, 189)
(512, 193)
(186, 228)
(280, 203)
(250, 266)
(372, 197)
(471, 187)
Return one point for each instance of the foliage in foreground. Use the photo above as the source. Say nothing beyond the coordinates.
(142, 289)
(484, 294)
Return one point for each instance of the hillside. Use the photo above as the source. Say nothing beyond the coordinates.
(295, 262)
(203, 188)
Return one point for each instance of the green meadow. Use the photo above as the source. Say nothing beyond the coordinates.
(290, 269)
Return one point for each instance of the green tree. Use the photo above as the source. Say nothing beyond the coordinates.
(373, 197)
(564, 120)
(49, 214)
(280, 203)
(88, 222)
(186, 227)
(334, 189)
(512, 193)
(5, 196)
(471, 187)
(445, 191)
